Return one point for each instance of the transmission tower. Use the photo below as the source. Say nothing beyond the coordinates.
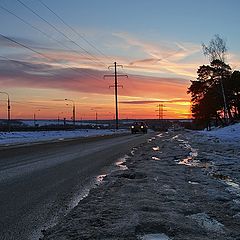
(116, 86)
(160, 111)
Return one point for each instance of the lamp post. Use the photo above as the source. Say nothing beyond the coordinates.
(73, 111)
(34, 118)
(96, 115)
(59, 117)
(8, 109)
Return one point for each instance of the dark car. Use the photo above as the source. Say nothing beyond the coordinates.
(140, 127)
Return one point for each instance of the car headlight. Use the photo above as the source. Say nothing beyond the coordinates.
(132, 127)
(141, 126)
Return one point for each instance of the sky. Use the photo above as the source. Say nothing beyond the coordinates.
(56, 50)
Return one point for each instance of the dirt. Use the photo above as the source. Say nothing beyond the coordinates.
(171, 187)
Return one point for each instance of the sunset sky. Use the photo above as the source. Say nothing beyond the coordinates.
(45, 59)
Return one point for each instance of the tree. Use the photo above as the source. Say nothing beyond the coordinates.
(233, 91)
(215, 94)
(216, 50)
(206, 94)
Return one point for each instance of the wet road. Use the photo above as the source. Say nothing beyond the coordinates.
(40, 183)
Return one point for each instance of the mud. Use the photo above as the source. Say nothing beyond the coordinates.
(159, 196)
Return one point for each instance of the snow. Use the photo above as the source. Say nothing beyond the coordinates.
(230, 133)
(56, 122)
(12, 138)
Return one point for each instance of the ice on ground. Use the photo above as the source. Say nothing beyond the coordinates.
(121, 162)
(11, 138)
(208, 223)
(229, 133)
(159, 236)
(156, 148)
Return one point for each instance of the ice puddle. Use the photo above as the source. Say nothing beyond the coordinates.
(189, 160)
(121, 162)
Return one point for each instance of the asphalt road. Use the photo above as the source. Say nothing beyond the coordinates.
(40, 183)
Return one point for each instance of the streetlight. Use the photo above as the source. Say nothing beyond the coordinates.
(59, 117)
(8, 108)
(34, 118)
(96, 115)
(73, 111)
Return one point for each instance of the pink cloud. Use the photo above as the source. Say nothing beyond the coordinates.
(88, 81)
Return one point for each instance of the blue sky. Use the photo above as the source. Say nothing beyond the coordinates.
(159, 41)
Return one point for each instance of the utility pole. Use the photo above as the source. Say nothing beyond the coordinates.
(8, 109)
(73, 111)
(116, 86)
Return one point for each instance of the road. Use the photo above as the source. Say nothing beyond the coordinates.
(40, 183)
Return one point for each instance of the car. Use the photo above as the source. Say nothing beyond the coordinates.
(139, 127)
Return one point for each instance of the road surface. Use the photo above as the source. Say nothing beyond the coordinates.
(40, 183)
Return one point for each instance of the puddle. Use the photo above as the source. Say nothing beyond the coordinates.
(189, 160)
(100, 178)
(157, 236)
(121, 162)
(133, 151)
(151, 139)
(233, 184)
(156, 148)
(175, 137)
(155, 158)
(193, 183)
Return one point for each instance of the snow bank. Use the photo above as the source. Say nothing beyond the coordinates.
(39, 136)
(229, 133)
(56, 122)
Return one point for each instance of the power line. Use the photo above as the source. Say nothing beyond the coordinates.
(16, 61)
(24, 46)
(43, 55)
(66, 24)
(60, 32)
(39, 30)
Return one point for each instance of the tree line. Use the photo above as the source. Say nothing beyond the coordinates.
(215, 94)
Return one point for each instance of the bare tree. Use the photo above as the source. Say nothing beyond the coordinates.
(216, 50)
